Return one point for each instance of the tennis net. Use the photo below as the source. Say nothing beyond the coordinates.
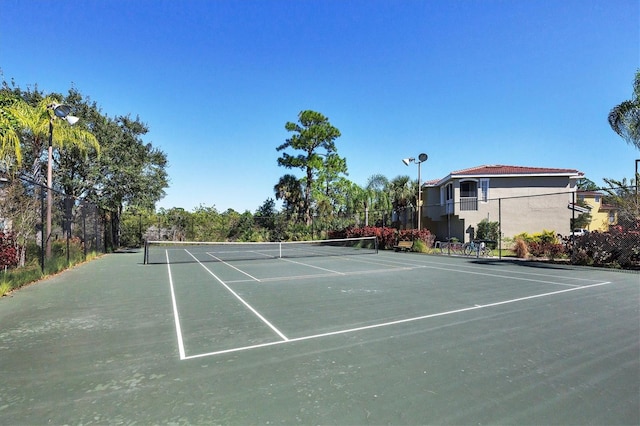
(163, 252)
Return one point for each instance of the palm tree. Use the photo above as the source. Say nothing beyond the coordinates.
(624, 119)
(402, 194)
(377, 191)
(34, 123)
(10, 152)
(38, 132)
(289, 189)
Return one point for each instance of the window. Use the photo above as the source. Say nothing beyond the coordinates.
(484, 190)
(468, 195)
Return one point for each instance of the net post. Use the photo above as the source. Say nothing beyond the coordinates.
(376, 244)
(279, 249)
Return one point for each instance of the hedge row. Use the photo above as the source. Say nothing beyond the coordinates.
(618, 248)
(387, 237)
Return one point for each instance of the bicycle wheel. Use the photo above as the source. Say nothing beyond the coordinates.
(487, 252)
(467, 249)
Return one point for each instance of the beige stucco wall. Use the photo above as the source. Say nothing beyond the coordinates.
(520, 204)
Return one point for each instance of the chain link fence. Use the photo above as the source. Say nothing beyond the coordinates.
(47, 227)
(584, 227)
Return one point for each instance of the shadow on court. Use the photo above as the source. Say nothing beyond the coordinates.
(424, 340)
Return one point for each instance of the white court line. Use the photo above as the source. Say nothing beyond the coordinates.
(231, 266)
(176, 316)
(572, 278)
(237, 296)
(391, 323)
(344, 274)
(511, 277)
(312, 266)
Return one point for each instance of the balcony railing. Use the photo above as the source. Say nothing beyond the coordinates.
(468, 203)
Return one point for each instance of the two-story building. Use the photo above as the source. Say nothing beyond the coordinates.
(602, 215)
(522, 199)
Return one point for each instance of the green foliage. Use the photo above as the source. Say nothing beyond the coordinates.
(621, 194)
(314, 138)
(541, 237)
(624, 118)
(488, 231)
(388, 237)
(5, 287)
(15, 278)
(420, 247)
(542, 244)
(266, 214)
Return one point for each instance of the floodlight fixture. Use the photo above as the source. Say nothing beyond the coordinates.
(71, 119)
(421, 159)
(59, 111)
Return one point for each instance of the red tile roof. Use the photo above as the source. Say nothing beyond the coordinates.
(501, 170)
(513, 170)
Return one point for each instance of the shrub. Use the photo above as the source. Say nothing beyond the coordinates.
(423, 235)
(618, 248)
(387, 237)
(8, 251)
(521, 248)
(546, 249)
(488, 231)
(5, 287)
(542, 244)
(419, 247)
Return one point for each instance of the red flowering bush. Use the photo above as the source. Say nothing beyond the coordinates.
(387, 237)
(8, 251)
(618, 247)
(547, 249)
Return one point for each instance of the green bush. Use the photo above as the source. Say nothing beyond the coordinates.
(419, 246)
(488, 231)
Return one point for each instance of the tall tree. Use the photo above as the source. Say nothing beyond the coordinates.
(315, 137)
(10, 150)
(402, 194)
(34, 122)
(378, 188)
(130, 172)
(624, 118)
(289, 189)
(265, 216)
(621, 194)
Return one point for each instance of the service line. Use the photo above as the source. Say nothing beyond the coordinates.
(391, 323)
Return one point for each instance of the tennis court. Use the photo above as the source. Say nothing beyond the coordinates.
(327, 337)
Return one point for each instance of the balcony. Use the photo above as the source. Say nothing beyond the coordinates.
(468, 203)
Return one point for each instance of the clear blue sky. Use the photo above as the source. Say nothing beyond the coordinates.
(516, 82)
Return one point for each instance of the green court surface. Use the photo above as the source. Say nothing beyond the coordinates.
(387, 338)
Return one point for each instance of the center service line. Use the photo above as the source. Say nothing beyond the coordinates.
(176, 316)
(237, 296)
(391, 323)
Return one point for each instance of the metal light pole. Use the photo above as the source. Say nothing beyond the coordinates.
(636, 179)
(421, 159)
(59, 111)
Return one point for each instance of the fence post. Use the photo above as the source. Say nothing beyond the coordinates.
(42, 220)
(500, 228)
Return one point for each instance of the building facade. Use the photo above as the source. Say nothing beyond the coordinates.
(522, 199)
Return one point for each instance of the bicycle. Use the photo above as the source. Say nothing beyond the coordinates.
(480, 248)
(450, 247)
